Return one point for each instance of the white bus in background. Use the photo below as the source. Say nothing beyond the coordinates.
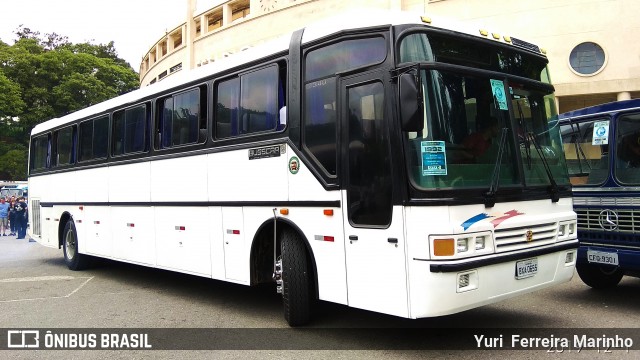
(364, 195)
(17, 189)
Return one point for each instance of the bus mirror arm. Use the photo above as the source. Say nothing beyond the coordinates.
(410, 101)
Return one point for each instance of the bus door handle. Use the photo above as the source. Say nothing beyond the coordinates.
(353, 237)
(392, 240)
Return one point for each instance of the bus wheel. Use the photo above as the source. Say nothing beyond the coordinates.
(296, 283)
(73, 259)
(599, 277)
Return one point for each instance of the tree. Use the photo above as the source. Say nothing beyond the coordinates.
(46, 76)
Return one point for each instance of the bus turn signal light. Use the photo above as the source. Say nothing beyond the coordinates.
(284, 211)
(328, 212)
(444, 247)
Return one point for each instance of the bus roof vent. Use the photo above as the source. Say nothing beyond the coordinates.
(525, 45)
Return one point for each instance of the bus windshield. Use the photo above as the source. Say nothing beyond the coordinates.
(628, 150)
(473, 94)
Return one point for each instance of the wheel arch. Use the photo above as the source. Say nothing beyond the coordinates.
(261, 258)
(64, 218)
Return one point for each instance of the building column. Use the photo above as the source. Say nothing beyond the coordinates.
(190, 35)
(227, 14)
(204, 25)
(625, 95)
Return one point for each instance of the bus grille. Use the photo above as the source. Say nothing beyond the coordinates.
(35, 218)
(628, 219)
(516, 238)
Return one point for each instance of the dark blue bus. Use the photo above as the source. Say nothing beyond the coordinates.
(602, 146)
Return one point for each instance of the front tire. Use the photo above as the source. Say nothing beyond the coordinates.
(296, 279)
(74, 260)
(599, 277)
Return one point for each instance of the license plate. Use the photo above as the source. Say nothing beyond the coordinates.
(526, 268)
(601, 257)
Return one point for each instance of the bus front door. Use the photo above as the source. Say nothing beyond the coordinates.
(374, 235)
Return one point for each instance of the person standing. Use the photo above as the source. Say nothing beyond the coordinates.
(4, 214)
(21, 218)
(12, 217)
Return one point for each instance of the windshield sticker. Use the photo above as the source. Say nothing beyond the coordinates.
(434, 158)
(497, 87)
(600, 133)
(497, 218)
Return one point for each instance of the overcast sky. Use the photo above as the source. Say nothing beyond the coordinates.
(133, 25)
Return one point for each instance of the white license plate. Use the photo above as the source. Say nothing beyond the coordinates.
(601, 257)
(526, 268)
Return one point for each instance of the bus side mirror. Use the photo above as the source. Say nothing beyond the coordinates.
(410, 102)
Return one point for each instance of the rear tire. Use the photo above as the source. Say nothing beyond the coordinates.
(296, 281)
(599, 277)
(74, 260)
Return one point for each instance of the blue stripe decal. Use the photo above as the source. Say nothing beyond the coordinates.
(467, 223)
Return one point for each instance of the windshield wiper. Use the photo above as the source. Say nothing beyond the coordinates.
(555, 197)
(490, 196)
(577, 141)
(525, 139)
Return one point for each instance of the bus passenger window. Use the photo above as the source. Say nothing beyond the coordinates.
(248, 104)
(129, 130)
(65, 146)
(180, 121)
(41, 152)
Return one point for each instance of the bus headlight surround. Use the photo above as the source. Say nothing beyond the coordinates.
(456, 246)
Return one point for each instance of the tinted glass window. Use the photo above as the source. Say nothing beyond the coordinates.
(588, 163)
(180, 119)
(343, 56)
(93, 139)
(227, 108)
(65, 146)
(86, 141)
(41, 152)
(248, 104)
(476, 54)
(100, 137)
(628, 149)
(129, 128)
(320, 122)
(369, 195)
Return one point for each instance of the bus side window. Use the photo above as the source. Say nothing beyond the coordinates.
(248, 103)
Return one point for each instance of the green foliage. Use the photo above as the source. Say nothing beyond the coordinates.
(46, 76)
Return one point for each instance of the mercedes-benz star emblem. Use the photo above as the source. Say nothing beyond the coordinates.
(608, 220)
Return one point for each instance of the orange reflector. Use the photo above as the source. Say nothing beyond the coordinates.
(284, 211)
(443, 247)
(328, 212)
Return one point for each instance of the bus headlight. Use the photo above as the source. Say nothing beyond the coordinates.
(566, 229)
(461, 245)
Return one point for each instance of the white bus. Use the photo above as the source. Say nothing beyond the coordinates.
(17, 189)
(333, 162)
